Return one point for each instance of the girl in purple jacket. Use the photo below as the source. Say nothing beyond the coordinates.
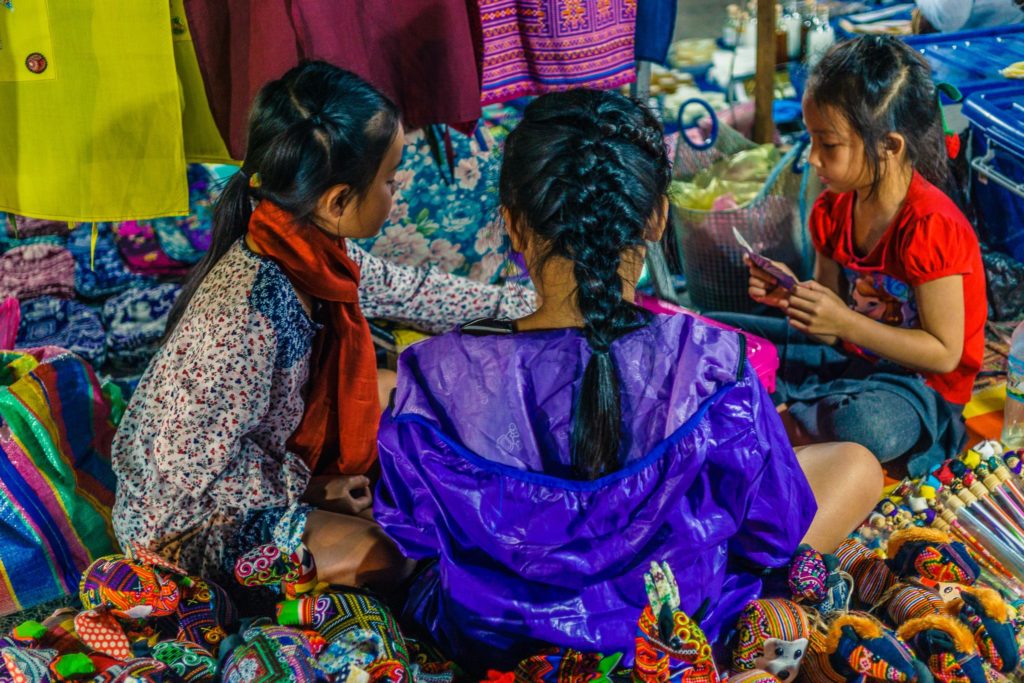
(538, 466)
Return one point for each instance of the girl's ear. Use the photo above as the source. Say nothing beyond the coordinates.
(515, 233)
(894, 145)
(332, 203)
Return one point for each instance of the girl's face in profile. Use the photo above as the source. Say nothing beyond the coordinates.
(837, 152)
(364, 216)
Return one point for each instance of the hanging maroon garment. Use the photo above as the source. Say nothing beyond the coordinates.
(420, 54)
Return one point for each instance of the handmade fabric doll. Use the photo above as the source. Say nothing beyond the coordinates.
(563, 666)
(773, 636)
(947, 647)
(670, 646)
(269, 654)
(816, 580)
(987, 617)
(858, 648)
(351, 615)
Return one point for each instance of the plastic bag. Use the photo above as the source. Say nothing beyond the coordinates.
(1004, 276)
(730, 182)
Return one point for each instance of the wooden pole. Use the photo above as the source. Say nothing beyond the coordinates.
(764, 80)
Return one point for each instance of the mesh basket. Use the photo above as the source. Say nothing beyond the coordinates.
(712, 260)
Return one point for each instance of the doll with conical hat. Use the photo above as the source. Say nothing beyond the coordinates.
(857, 648)
(947, 647)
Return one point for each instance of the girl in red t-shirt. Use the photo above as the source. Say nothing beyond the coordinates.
(891, 328)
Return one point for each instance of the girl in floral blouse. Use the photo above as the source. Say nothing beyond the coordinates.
(257, 420)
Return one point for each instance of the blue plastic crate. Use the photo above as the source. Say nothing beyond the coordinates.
(997, 188)
(971, 60)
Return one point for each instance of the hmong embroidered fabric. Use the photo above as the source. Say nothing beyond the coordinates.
(536, 46)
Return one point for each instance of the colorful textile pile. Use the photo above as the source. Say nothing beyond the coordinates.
(37, 270)
(22, 228)
(71, 325)
(101, 273)
(10, 319)
(143, 252)
(44, 266)
(55, 475)
(537, 46)
(144, 615)
(135, 322)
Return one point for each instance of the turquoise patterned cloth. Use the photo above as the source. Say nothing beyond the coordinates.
(446, 214)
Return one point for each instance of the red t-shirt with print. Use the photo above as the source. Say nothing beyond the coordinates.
(928, 239)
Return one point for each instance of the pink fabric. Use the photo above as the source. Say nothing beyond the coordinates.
(537, 46)
(10, 319)
(140, 248)
(21, 227)
(37, 270)
(763, 355)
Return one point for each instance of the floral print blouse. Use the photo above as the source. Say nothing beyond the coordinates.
(202, 444)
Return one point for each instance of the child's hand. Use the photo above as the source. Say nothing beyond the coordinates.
(347, 495)
(764, 288)
(815, 309)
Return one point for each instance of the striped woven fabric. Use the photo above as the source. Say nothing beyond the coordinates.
(911, 602)
(56, 484)
(536, 46)
(871, 575)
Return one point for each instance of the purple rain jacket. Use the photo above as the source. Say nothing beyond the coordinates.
(474, 454)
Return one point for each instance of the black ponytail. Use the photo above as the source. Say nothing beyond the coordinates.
(881, 85)
(316, 127)
(585, 172)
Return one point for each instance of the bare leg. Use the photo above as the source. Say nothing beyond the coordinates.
(797, 435)
(847, 483)
(353, 551)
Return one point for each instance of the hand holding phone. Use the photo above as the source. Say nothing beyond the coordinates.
(784, 279)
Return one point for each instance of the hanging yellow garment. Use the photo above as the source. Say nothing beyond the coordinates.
(90, 111)
(203, 141)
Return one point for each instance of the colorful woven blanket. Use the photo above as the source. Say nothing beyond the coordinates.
(56, 484)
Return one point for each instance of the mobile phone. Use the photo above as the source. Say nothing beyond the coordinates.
(784, 279)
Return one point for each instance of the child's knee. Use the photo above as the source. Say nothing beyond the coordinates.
(886, 435)
(864, 471)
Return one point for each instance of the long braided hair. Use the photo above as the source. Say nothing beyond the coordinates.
(585, 172)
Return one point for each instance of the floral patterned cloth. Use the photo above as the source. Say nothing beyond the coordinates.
(446, 216)
(203, 442)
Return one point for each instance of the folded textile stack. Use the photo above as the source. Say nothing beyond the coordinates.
(135, 322)
(21, 227)
(37, 270)
(49, 321)
(174, 242)
(142, 252)
(102, 274)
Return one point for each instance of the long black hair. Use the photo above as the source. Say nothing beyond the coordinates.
(316, 127)
(585, 172)
(881, 86)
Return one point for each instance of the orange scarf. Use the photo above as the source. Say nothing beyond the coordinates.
(338, 432)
